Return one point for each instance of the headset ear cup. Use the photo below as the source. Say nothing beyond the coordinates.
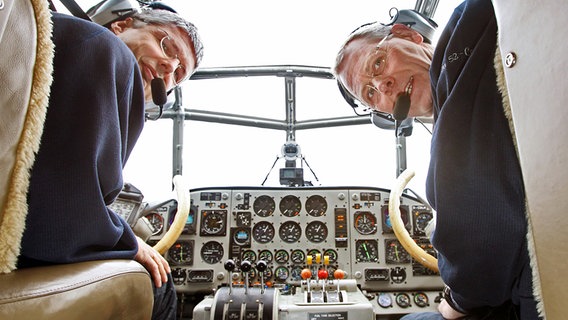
(347, 96)
(417, 21)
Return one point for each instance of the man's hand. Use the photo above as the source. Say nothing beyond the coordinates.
(448, 312)
(153, 262)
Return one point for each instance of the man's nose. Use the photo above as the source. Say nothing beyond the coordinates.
(383, 84)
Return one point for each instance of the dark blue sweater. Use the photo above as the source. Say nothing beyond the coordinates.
(95, 115)
(475, 182)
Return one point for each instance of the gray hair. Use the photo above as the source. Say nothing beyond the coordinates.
(375, 31)
(166, 18)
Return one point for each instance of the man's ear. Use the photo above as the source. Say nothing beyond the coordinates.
(405, 32)
(119, 26)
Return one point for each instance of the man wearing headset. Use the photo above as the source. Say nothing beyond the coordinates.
(95, 115)
(474, 181)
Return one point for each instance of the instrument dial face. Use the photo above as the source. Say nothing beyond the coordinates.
(249, 255)
(395, 252)
(267, 274)
(403, 300)
(365, 222)
(316, 231)
(366, 251)
(290, 232)
(296, 273)
(179, 275)
(290, 206)
(263, 232)
(212, 252)
(281, 273)
(156, 221)
(265, 255)
(213, 222)
(421, 300)
(314, 253)
(181, 253)
(298, 256)
(316, 206)
(332, 254)
(241, 236)
(387, 223)
(421, 220)
(384, 300)
(264, 206)
(281, 256)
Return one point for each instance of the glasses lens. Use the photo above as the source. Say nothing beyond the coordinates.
(168, 47)
(179, 74)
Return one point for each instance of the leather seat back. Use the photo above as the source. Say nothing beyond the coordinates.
(110, 289)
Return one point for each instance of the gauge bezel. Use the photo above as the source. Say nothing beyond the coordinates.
(212, 257)
(264, 206)
(290, 206)
(316, 205)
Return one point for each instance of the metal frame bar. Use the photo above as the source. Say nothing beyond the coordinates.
(290, 125)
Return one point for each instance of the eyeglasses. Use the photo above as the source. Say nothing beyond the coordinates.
(377, 67)
(170, 50)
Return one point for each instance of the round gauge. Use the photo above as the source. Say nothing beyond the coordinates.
(290, 206)
(263, 232)
(267, 274)
(366, 251)
(281, 273)
(212, 252)
(384, 300)
(421, 220)
(156, 221)
(241, 236)
(332, 254)
(249, 255)
(316, 231)
(398, 275)
(264, 206)
(314, 253)
(365, 222)
(265, 255)
(316, 205)
(395, 252)
(421, 300)
(281, 256)
(179, 275)
(387, 224)
(298, 256)
(296, 273)
(181, 253)
(290, 231)
(403, 300)
(213, 222)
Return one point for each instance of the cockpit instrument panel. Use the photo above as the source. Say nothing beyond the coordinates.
(291, 229)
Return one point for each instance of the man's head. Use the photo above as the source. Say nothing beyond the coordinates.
(165, 45)
(377, 63)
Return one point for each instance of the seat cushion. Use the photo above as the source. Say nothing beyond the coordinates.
(109, 289)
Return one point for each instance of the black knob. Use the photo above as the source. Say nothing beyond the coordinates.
(229, 265)
(246, 266)
(261, 265)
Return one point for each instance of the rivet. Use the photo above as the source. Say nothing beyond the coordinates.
(510, 59)
(1, 4)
